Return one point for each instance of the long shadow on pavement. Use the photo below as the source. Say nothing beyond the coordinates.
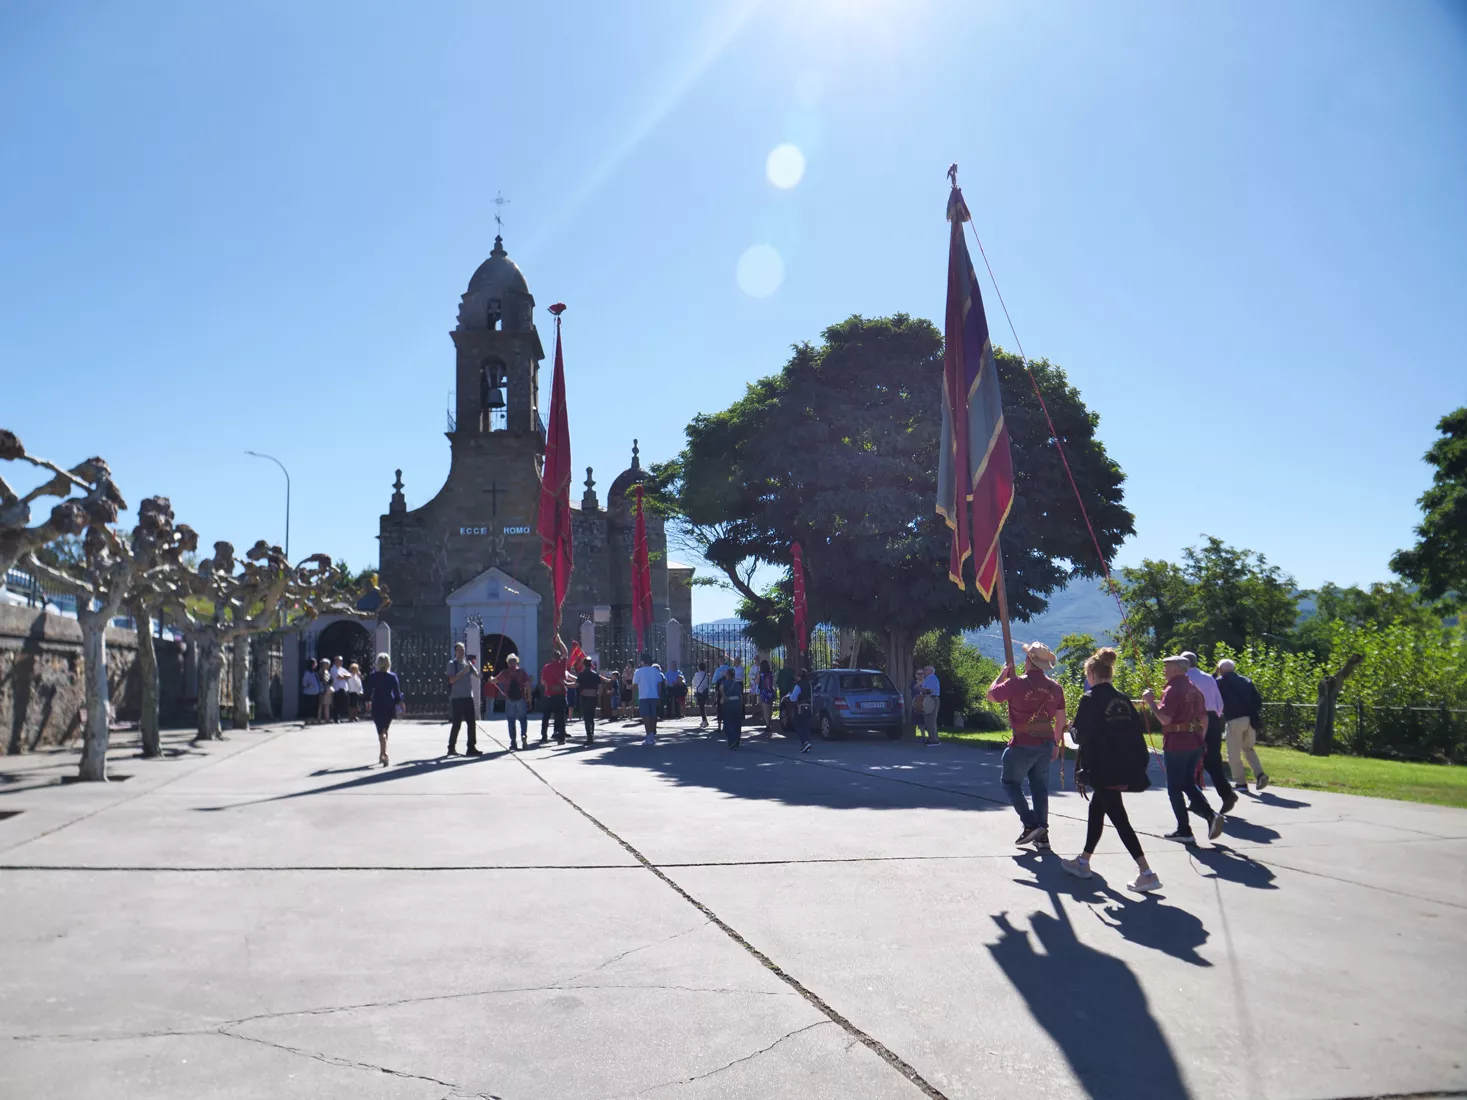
(1233, 866)
(1092, 1006)
(844, 775)
(1144, 919)
(407, 770)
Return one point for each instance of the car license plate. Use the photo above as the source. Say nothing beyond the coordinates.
(873, 706)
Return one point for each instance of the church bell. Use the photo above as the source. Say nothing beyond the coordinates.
(496, 398)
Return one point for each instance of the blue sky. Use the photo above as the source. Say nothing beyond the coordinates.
(1240, 228)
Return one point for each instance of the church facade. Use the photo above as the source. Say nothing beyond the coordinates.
(470, 556)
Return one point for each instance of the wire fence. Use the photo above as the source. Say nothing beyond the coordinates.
(1406, 733)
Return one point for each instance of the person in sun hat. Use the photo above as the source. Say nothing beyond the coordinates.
(1036, 705)
(1183, 714)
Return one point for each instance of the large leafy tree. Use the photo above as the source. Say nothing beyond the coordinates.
(839, 450)
(1438, 561)
(1217, 594)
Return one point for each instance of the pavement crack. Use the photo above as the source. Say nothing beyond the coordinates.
(345, 1063)
(880, 1049)
(737, 1061)
(643, 947)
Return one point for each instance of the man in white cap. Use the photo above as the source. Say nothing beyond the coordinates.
(1183, 714)
(1212, 749)
(1037, 716)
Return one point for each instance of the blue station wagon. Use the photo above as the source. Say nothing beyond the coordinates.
(847, 699)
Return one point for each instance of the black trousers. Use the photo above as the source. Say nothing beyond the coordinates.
(338, 705)
(1212, 761)
(701, 697)
(462, 710)
(588, 715)
(1106, 803)
(552, 706)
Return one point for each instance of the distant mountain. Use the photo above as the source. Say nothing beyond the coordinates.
(1082, 607)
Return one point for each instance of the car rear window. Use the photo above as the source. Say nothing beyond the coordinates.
(865, 681)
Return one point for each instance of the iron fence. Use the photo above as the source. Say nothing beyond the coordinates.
(717, 643)
(1407, 733)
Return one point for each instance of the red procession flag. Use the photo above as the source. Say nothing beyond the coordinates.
(797, 576)
(556, 549)
(975, 474)
(641, 577)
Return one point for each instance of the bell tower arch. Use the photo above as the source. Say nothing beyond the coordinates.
(497, 374)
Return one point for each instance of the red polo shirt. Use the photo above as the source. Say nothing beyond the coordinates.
(1032, 697)
(1182, 702)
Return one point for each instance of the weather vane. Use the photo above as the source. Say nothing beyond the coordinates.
(499, 201)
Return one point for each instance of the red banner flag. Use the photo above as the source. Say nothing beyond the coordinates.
(556, 549)
(797, 576)
(641, 578)
(975, 474)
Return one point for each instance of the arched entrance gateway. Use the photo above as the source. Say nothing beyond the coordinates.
(350, 641)
(494, 648)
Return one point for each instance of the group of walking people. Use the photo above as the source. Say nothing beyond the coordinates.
(1110, 732)
(1113, 753)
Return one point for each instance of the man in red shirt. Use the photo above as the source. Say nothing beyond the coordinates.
(554, 679)
(1037, 716)
(1183, 714)
(514, 684)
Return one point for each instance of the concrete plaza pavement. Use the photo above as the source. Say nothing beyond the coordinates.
(275, 916)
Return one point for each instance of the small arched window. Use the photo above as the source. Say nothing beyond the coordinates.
(494, 320)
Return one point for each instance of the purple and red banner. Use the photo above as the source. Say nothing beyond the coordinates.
(975, 474)
(556, 542)
(641, 577)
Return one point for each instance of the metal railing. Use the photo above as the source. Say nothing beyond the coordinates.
(1408, 733)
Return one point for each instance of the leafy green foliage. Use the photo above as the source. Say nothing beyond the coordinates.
(1219, 595)
(1438, 561)
(1380, 605)
(839, 451)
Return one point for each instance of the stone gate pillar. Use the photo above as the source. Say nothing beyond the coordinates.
(588, 641)
(381, 641)
(674, 642)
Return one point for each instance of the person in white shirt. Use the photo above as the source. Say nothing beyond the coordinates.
(340, 686)
(1212, 750)
(701, 682)
(648, 680)
(354, 691)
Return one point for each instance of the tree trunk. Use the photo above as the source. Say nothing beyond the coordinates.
(148, 681)
(260, 680)
(240, 675)
(850, 647)
(209, 655)
(1324, 709)
(900, 653)
(94, 657)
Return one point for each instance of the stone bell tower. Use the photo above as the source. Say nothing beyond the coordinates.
(499, 353)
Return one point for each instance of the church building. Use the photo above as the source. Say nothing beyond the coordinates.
(471, 554)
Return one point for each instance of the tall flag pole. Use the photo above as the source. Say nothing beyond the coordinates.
(556, 542)
(641, 578)
(975, 474)
(797, 576)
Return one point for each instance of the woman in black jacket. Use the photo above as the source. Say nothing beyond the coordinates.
(1112, 759)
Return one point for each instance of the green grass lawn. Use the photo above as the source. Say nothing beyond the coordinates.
(1440, 784)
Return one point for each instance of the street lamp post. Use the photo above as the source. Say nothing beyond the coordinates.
(286, 472)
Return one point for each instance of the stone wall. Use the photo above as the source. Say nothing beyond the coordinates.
(42, 694)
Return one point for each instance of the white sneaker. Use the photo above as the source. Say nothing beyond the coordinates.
(1145, 883)
(1080, 868)
(1214, 830)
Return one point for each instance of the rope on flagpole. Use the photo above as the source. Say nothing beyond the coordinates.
(1054, 434)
